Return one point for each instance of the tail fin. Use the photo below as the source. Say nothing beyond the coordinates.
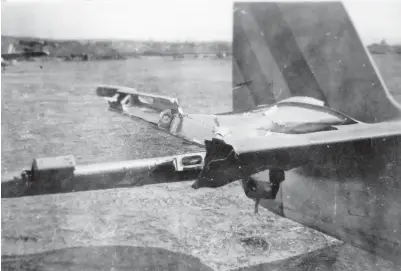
(305, 49)
(11, 48)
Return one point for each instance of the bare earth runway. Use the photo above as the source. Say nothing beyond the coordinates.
(54, 111)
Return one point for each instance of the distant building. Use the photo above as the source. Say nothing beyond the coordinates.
(380, 48)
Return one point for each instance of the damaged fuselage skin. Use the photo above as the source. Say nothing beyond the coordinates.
(296, 115)
(286, 141)
(349, 190)
(295, 66)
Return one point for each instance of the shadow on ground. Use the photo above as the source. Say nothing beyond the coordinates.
(331, 258)
(104, 258)
(321, 259)
(118, 258)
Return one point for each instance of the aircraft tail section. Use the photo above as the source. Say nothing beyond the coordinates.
(310, 49)
(11, 49)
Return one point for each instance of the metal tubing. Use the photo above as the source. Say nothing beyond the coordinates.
(48, 180)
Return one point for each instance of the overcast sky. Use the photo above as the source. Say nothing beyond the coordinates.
(166, 20)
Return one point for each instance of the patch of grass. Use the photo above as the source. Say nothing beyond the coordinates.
(58, 113)
(54, 110)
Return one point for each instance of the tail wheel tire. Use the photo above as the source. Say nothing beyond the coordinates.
(165, 120)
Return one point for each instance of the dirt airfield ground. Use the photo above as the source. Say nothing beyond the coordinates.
(53, 110)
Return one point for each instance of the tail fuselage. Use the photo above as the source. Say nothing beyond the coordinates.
(313, 49)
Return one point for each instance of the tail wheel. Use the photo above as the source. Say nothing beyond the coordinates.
(276, 176)
(165, 119)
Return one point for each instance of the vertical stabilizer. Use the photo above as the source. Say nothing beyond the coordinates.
(305, 49)
(11, 49)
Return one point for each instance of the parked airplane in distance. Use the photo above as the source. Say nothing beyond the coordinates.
(8, 58)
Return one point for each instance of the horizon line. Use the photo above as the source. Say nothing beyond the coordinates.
(158, 40)
(117, 39)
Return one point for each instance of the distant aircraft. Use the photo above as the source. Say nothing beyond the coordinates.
(8, 58)
(33, 43)
(314, 134)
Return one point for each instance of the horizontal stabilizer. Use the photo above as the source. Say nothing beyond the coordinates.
(138, 104)
(160, 110)
(264, 142)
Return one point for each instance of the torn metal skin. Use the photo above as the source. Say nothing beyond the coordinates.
(223, 166)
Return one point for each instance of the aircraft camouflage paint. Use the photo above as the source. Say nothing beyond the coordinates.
(311, 117)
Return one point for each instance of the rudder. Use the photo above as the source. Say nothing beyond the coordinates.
(306, 49)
